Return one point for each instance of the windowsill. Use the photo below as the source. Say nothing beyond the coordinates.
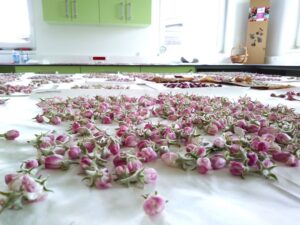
(294, 51)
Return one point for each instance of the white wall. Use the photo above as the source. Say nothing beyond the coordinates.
(95, 40)
(281, 43)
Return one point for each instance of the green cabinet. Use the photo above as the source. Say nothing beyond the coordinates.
(112, 69)
(168, 69)
(71, 11)
(47, 69)
(125, 12)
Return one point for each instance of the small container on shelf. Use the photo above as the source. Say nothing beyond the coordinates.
(239, 54)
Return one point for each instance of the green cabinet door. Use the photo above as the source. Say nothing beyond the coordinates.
(168, 69)
(47, 69)
(112, 12)
(138, 12)
(109, 69)
(85, 11)
(57, 10)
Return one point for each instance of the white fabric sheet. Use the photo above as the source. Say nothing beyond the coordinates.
(216, 198)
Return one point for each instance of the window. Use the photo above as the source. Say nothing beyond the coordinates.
(15, 26)
(298, 34)
(192, 27)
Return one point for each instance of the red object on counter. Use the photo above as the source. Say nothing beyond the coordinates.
(99, 58)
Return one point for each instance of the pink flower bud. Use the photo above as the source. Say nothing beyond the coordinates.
(114, 148)
(74, 153)
(219, 143)
(200, 151)
(272, 117)
(150, 176)
(103, 181)
(85, 162)
(281, 156)
(203, 165)
(236, 168)
(89, 146)
(122, 171)
(212, 129)
(207, 109)
(187, 131)
(54, 162)
(29, 184)
(147, 154)
(171, 136)
(252, 128)
(169, 159)
(55, 120)
(234, 148)
(134, 165)
(154, 205)
(106, 120)
(190, 147)
(143, 144)
(263, 146)
(61, 139)
(122, 130)
(252, 158)
(88, 114)
(75, 127)
(39, 119)
(31, 164)
(9, 178)
(283, 138)
(119, 161)
(292, 161)
(60, 151)
(103, 107)
(242, 124)
(217, 162)
(11, 135)
(130, 141)
(267, 163)
(268, 130)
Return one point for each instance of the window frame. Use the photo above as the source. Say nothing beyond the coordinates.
(221, 29)
(31, 42)
(297, 44)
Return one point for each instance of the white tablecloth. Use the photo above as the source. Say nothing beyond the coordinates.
(216, 198)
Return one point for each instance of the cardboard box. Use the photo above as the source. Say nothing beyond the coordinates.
(257, 33)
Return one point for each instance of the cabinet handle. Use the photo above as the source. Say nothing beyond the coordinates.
(121, 11)
(67, 8)
(75, 8)
(129, 16)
